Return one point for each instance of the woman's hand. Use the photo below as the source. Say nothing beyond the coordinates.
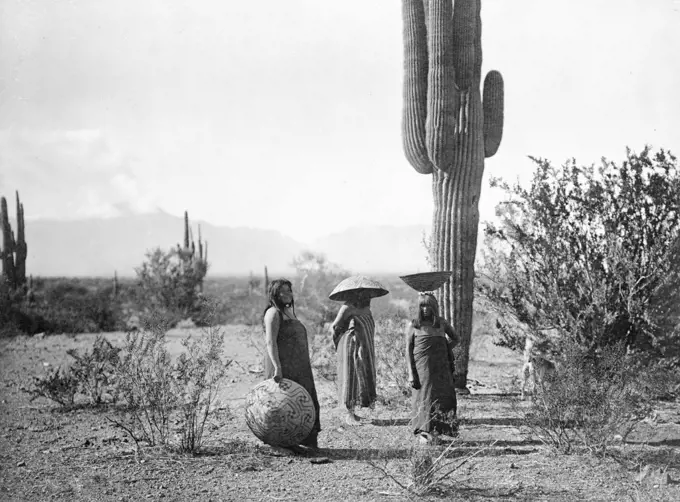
(414, 382)
(278, 374)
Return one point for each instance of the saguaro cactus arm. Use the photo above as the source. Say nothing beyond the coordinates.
(493, 112)
(7, 244)
(415, 86)
(20, 248)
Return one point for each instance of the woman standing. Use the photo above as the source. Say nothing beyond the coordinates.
(287, 353)
(353, 336)
(429, 359)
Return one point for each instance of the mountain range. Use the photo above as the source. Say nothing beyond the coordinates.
(100, 247)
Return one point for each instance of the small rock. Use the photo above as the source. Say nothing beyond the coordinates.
(21, 463)
(319, 460)
(513, 466)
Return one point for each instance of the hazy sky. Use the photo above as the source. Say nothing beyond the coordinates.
(286, 114)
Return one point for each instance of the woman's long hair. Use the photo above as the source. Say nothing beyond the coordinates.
(431, 301)
(273, 299)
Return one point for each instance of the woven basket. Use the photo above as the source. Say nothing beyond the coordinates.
(426, 281)
(347, 288)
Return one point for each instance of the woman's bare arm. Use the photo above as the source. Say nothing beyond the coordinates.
(450, 333)
(271, 329)
(452, 339)
(343, 313)
(410, 360)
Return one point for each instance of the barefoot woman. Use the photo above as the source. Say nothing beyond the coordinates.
(353, 336)
(287, 347)
(429, 359)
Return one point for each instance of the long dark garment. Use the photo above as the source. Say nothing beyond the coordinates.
(434, 404)
(356, 361)
(295, 363)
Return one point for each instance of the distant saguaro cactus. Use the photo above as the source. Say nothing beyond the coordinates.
(198, 264)
(20, 247)
(266, 281)
(8, 270)
(448, 130)
(114, 287)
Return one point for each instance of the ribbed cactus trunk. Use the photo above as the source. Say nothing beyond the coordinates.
(266, 281)
(448, 131)
(7, 253)
(454, 242)
(20, 248)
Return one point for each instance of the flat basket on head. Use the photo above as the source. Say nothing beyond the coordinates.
(426, 281)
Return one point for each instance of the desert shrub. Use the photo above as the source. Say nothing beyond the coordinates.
(69, 306)
(144, 376)
(430, 468)
(15, 317)
(390, 355)
(159, 391)
(169, 282)
(590, 401)
(592, 255)
(237, 307)
(199, 372)
(95, 370)
(58, 385)
(322, 355)
(314, 280)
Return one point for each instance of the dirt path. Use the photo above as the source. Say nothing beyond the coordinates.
(46, 454)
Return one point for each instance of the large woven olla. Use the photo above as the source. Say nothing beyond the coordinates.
(280, 414)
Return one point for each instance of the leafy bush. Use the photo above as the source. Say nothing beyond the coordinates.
(592, 255)
(144, 376)
(169, 283)
(390, 356)
(315, 279)
(198, 374)
(95, 370)
(157, 389)
(58, 385)
(63, 305)
(589, 401)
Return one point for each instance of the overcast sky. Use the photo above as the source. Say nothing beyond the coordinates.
(286, 114)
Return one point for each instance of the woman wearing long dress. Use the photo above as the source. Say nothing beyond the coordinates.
(287, 354)
(429, 356)
(353, 335)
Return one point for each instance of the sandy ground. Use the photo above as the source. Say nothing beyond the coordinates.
(50, 454)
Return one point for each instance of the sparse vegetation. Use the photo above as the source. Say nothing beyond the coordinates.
(159, 391)
(57, 384)
(95, 370)
(591, 402)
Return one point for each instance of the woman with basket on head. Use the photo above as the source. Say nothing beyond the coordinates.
(353, 336)
(429, 357)
(287, 351)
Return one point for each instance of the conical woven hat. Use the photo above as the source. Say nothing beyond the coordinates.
(426, 281)
(346, 288)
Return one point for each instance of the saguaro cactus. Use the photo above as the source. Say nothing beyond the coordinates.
(8, 272)
(266, 281)
(20, 247)
(187, 252)
(448, 130)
